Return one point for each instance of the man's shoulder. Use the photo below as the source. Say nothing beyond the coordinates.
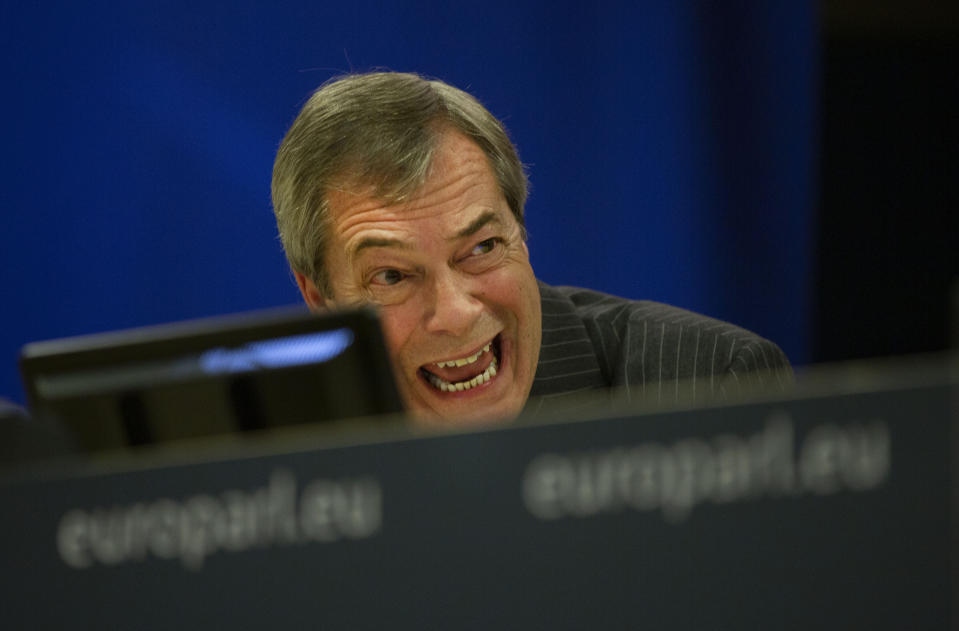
(598, 307)
(643, 341)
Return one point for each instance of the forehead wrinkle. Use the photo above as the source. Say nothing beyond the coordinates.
(360, 244)
(455, 173)
(355, 209)
(444, 192)
(378, 242)
(458, 166)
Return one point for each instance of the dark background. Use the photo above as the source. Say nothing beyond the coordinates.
(786, 166)
(888, 235)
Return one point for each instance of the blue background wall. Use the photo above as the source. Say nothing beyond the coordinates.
(671, 145)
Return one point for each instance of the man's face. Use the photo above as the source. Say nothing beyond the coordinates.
(451, 274)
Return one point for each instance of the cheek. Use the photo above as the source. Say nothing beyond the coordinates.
(515, 289)
(399, 325)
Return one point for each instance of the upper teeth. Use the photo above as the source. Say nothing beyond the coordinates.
(465, 360)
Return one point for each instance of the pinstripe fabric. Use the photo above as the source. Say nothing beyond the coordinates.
(647, 350)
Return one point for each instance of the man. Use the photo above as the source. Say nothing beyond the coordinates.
(407, 194)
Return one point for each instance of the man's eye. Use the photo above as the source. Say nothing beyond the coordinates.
(486, 246)
(388, 277)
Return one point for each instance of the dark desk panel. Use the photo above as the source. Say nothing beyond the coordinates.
(826, 512)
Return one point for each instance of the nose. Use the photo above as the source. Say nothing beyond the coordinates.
(454, 306)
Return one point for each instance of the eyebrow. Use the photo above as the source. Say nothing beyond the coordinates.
(477, 224)
(474, 226)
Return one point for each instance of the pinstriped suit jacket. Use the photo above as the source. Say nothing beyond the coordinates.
(646, 351)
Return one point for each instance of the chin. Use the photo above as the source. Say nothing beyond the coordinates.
(465, 415)
(461, 418)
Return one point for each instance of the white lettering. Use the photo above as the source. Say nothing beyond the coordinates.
(674, 479)
(72, 539)
(543, 484)
(196, 528)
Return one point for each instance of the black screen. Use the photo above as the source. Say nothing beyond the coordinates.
(212, 376)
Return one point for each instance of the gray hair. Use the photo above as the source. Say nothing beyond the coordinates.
(378, 131)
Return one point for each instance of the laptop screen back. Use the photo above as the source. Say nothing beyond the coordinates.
(212, 376)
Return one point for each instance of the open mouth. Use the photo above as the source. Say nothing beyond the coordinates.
(465, 373)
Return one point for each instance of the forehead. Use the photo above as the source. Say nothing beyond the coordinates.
(459, 186)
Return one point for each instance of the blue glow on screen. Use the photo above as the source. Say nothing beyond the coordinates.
(295, 350)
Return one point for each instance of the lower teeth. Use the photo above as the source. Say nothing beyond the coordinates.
(460, 386)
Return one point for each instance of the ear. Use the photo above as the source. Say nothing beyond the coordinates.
(311, 294)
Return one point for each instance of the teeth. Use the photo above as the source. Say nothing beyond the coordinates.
(464, 361)
(459, 386)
